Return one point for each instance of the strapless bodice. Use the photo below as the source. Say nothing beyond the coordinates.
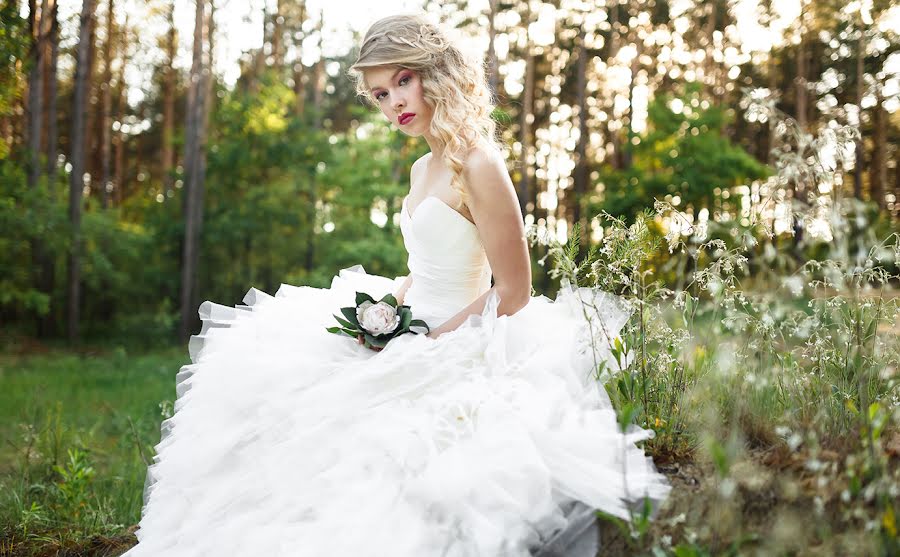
(447, 262)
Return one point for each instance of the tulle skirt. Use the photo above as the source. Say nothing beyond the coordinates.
(289, 440)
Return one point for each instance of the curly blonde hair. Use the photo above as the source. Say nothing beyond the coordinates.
(453, 83)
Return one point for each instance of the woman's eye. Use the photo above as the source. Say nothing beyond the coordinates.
(404, 79)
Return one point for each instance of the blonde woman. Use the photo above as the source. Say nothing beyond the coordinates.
(477, 439)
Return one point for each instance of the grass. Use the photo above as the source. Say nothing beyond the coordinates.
(76, 433)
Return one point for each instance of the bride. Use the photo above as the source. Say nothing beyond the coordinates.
(473, 440)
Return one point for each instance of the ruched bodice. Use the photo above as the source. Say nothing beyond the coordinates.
(447, 262)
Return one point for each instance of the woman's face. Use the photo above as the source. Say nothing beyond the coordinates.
(398, 92)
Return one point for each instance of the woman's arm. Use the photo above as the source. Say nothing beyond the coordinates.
(495, 209)
(403, 288)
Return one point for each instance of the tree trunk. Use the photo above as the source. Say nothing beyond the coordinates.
(800, 82)
(92, 122)
(121, 109)
(860, 155)
(45, 275)
(878, 168)
(319, 77)
(168, 127)
(35, 89)
(527, 117)
(629, 114)
(493, 71)
(193, 169)
(772, 79)
(299, 86)
(106, 109)
(709, 64)
(259, 61)
(52, 98)
(613, 136)
(76, 182)
(278, 38)
(580, 176)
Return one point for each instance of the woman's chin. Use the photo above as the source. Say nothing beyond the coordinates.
(411, 132)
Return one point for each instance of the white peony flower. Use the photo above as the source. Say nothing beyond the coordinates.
(377, 319)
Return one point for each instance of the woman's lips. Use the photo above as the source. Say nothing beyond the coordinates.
(405, 118)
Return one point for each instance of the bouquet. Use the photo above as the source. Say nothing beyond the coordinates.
(376, 323)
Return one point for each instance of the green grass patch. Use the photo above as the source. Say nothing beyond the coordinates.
(76, 434)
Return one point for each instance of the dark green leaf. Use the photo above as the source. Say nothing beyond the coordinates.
(376, 341)
(345, 323)
(350, 314)
(405, 320)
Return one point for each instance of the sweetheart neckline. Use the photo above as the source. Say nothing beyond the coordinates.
(405, 207)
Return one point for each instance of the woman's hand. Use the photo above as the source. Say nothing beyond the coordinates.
(360, 339)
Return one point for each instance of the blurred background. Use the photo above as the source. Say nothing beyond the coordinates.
(158, 153)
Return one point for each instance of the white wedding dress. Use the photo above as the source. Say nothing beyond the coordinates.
(288, 440)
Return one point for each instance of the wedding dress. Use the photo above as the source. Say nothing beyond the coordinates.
(288, 440)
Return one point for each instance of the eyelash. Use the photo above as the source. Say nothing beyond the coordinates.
(378, 97)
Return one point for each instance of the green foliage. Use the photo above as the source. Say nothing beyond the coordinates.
(683, 154)
(120, 265)
(752, 349)
(714, 367)
(76, 435)
(14, 44)
(285, 201)
(26, 216)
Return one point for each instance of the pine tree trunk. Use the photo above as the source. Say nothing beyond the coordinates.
(168, 127)
(800, 83)
(77, 158)
(278, 38)
(878, 168)
(259, 61)
(45, 275)
(121, 109)
(580, 177)
(493, 71)
(299, 86)
(629, 114)
(527, 117)
(709, 64)
(614, 40)
(35, 91)
(52, 87)
(106, 109)
(860, 155)
(193, 169)
(319, 78)
(772, 79)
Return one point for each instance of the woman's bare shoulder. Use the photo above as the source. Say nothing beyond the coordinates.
(481, 158)
(417, 167)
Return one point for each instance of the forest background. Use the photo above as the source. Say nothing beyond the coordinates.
(134, 186)
(111, 206)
